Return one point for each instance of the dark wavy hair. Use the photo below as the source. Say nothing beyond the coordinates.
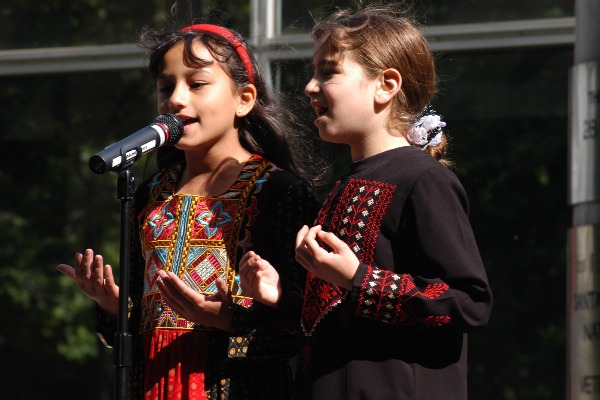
(270, 129)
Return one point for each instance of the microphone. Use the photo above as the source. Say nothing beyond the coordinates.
(166, 130)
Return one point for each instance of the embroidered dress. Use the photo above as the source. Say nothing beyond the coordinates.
(400, 333)
(201, 238)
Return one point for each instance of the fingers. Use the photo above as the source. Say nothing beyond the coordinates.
(67, 270)
(167, 282)
(89, 271)
(97, 271)
(222, 289)
(301, 239)
(109, 279)
(301, 235)
(94, 279)
(248, 271)
(310, 241)
(180, 294)
(246, 257)
(307, 235)
(168, 286)
(222, 294)
(79, 267)
(189, 304)
(307, 245)
(336, 244)
(247, 263)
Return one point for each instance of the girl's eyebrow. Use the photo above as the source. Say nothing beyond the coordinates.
(202, 69)
(325, 62)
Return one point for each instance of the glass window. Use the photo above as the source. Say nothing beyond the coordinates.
(472, 11)
(298, 16)
(53, 23)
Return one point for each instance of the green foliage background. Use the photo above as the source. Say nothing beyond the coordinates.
(507, 117)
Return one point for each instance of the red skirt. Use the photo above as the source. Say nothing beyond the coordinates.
(175, 364)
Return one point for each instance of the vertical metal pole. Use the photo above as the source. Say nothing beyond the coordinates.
(265, 25)
(123, 339)
(583, 291)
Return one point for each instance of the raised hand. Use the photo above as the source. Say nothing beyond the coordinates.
(95, 280)
(259, 279)
(337, 266)
(215, 310)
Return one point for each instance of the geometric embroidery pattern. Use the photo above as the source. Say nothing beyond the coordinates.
(194, 237)
(154, 261)
(355, 219)
(214, 218)
(389, 297)
(204, 266)
(358, 215)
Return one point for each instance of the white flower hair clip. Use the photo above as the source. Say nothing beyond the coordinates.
(427, 131)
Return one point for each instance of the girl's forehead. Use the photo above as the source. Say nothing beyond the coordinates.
(325, 56)
(200, 58)
(200, 50)
(322, 51)
(330, 48)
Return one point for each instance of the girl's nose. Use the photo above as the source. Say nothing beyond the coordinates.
(179, 97)
(311, 87)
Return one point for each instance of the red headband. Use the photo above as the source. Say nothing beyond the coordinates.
(232, 39)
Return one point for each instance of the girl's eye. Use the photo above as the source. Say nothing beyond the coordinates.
(196, 85)
(326, 73)
(164, 87)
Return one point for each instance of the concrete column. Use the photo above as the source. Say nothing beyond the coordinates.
(583, 291)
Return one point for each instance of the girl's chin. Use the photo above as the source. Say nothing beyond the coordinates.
(327, 136)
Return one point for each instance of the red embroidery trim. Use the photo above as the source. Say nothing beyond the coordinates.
(386, 296)
(356, 220)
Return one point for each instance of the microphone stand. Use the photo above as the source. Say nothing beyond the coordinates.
(123, 351)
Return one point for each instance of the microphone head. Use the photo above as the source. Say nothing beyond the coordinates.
(174, 128)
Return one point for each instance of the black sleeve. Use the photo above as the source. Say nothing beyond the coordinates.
(449, 290)
(270, 332)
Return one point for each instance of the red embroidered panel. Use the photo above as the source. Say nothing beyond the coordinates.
(358, 214)
(389, 297)
(356, 220)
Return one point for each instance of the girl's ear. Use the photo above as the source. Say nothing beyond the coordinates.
(390, 83)
(246, 100)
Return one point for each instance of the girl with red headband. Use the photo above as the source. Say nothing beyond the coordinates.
(231, 184)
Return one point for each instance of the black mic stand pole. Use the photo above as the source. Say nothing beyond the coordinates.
(123, 351)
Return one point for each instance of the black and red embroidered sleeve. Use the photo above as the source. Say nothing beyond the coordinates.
(396, 299)
(447, 285)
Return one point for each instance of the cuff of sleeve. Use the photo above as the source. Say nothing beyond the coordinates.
(359, 276)
(357, 285)
(105, 327)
